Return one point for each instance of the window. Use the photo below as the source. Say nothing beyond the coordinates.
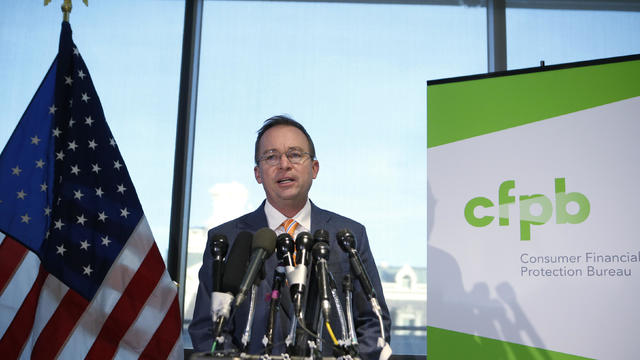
(560, 36)
(354, 75)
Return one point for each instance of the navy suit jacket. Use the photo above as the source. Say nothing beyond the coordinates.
(366, 323)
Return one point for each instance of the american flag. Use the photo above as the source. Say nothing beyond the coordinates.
(80, 273)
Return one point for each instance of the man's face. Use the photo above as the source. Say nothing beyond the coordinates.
(286, 185)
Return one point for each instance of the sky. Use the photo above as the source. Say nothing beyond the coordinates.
(353, 74)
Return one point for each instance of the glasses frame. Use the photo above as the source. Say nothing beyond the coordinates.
(288, 154)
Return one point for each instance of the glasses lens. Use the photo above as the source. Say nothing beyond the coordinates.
(295, 156)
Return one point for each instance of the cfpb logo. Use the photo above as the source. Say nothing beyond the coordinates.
(540, 204)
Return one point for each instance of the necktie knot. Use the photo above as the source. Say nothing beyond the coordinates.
(289, 226)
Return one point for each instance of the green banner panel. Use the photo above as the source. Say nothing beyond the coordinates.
(461, 110)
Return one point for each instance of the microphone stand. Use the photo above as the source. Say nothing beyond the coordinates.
(274, 306)
(246, 336)
(347, 287)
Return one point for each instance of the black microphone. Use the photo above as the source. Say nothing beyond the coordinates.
(321, 255)
(284, 249)
(284, 253)
(298, 278)
(235, 267)
(264, 242)
(321, 235)
(347, 242)
(218, 245)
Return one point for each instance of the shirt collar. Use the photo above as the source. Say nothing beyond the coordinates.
(275, 218)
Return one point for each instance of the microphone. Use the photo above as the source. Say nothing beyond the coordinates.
(347, 242)
(298, 277)
(321, 235)
(235, 266)
(321, 255)
(284, 249)
(218, 246)
(264, 242)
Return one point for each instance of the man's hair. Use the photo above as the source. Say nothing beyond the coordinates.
(282, 120)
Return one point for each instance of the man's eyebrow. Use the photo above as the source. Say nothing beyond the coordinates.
(288, 149)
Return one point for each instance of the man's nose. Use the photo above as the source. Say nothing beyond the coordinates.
(284, 161)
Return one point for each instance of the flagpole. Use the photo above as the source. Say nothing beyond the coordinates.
(66, 8)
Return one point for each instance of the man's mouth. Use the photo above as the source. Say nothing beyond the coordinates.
(285, 181)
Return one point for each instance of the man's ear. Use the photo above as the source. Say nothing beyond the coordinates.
(315, 167)
(258, 175)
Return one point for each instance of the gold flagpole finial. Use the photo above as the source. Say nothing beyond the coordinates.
(66, 8)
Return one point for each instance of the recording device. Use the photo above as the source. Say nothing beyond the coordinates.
(321, 255)
(284, 253)
(321, 235)
(298, 277)
(347, 242)
(218, 246)
(284, 250)
(263, 245)
(234, 269)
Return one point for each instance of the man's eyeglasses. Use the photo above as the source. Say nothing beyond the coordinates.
(272, 157)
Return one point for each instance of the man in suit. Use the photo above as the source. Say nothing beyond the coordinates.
(286, 166)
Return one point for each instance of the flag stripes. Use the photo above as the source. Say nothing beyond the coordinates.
(137, 292)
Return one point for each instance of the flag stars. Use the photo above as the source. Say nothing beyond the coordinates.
(92, 144)
(68, 80)
(88, 121)
(21, 194)
(52, 109)
(112, 142)
(75, 170)
(43, 187)
(25, 218)
(124, 213)
(40, 164)
(35, 140)
(99, 192)
(60, 155)
(105, 240)
(47, 211)
(121, 189)
(85, 97)
(95, 168)
(117, 165)
(58, 224)
(56, 132)
(84, 245)
(81, 219)
(87, 270)
(78, 194)
(75, 51)
(81, 74)
(61, 249)
(16, 171)
(71, 122)
(72, 146)
(102, 216)
(70, 103)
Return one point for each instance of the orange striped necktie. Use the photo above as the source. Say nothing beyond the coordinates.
(290, 226)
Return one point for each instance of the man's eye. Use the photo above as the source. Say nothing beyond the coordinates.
(271, 157)
(295, 155)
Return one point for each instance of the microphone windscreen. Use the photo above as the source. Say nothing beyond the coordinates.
(321, 235)
(264, 238)
(320, 250)
(237, 261)
(346, 240)
(218, 245)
